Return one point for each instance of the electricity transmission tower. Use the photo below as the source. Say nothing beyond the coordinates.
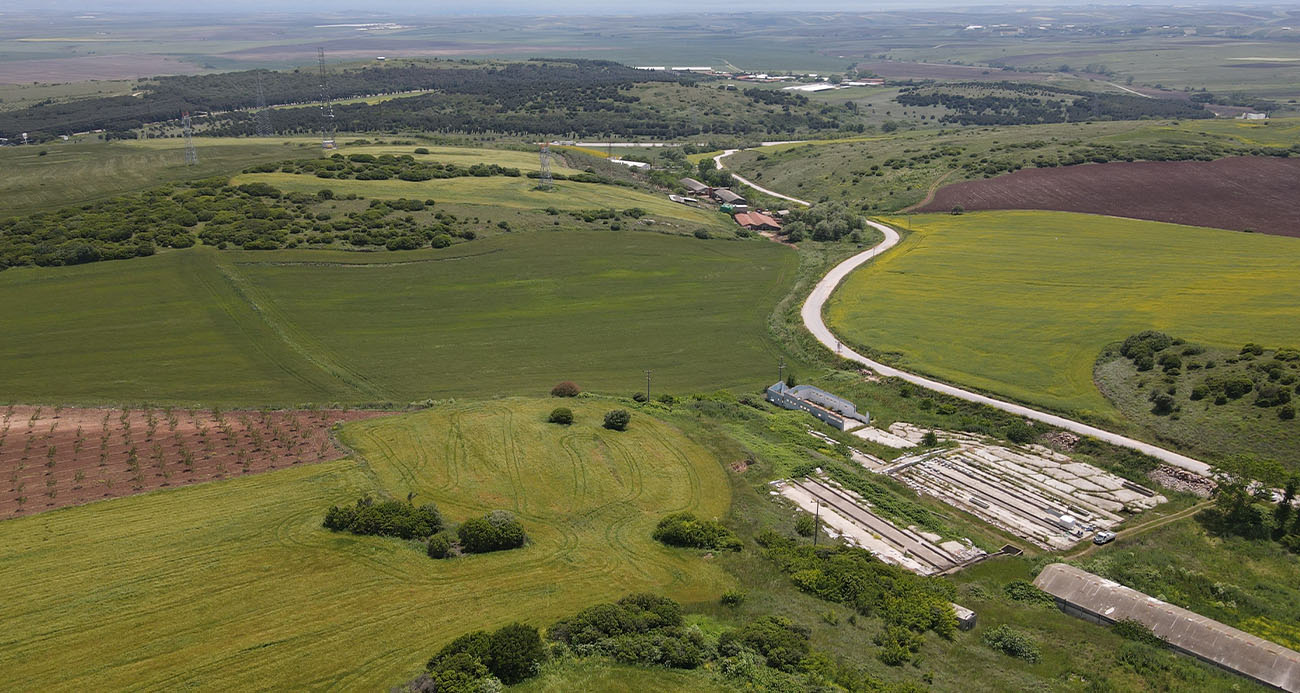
(544, 181)
(326, 108)
(191, 156)
(262, 118)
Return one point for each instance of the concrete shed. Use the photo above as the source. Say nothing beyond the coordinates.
(728, 197)
(1094, 598)
(696, 187)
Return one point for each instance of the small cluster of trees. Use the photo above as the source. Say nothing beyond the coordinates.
(387, 518)
(498, 530)
(482, 661)
(1243, 502)
(908, 604)
(1271, 380)
(685, 529)
(826, 221)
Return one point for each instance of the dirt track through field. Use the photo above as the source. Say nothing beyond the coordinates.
(1237, 193)
(55, 457)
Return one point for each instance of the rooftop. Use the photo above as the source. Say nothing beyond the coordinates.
(1232, 649)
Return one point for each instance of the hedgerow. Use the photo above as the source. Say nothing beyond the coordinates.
(387, 518)
(684, 529)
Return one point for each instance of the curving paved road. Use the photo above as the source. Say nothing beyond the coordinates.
(812, 319)
(717, 161)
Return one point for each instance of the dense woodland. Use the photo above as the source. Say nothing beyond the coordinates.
(589, 85)
(1010, 103)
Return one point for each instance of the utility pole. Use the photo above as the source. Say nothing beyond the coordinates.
(191, 156)
(647, 385)
(780, 371)
(817, 522)
(326, 108)
(544, 177)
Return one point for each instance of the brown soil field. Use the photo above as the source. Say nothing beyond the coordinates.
(1237, 193)
(92, 67)
(52, 457)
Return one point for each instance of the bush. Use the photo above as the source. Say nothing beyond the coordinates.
(439, 546)
(441, 240)
(1145, 344)
(565, 389)
(638, 629)
(496, 531)
(515, 651)
(512, 653)
(1020, 433)
(389, 518)
(702, 234)
(732, 598)
(1130, 629)
(421, 150)
(783, 643)
(1286, 412)
(684, 529)
(805, 525)
(640, 397)
(1025, 591)
(561, 415)
(617, 419)
(1012, 642)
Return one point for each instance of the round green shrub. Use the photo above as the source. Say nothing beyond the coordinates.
(561, 415)
(617, 420)
(439, 546)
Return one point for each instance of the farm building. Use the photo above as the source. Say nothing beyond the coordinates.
(757, 221)
(1094, 598)
(1254, 116)
(728, 198)
(836, 411)
(695, 187)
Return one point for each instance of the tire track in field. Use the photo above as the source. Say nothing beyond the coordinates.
(617, 530)
(298, 340)
(227, 301)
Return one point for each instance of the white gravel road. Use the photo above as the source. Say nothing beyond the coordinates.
(717, 161)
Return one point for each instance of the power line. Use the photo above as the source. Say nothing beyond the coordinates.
(262, 118)
(326, 107)
(544, 181)
(191, 156)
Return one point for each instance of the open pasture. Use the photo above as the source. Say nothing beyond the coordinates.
(1021, 303)
(234, 585)
(511, 314)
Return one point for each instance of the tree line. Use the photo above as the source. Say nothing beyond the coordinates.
(1028, 104)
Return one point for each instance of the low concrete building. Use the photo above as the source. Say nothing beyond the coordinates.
(757, 221)
(1094, 598)
(695, 187)
(836, 411)
(728, 197)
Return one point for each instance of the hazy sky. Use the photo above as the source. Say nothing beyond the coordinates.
(539, 7)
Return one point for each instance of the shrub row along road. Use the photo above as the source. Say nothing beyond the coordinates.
(812, 320)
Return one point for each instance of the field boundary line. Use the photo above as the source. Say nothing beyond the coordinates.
(282, 327)
(929, 194)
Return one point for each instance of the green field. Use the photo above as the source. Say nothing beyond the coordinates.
(1021, 303)
(235, 586)
(511, 314)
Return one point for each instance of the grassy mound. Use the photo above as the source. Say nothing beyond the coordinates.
(1021, 303)
(229, 585)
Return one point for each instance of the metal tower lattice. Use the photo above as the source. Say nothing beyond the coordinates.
(262, 118)
(544, 181)
(326, 107)
(191, 156)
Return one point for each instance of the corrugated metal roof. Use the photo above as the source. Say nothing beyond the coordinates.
(728, 196)
(1206, 638)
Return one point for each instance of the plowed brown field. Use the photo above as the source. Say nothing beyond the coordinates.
(53, 457)
(1257, 193)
